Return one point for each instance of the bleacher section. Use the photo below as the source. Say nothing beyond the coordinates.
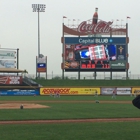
(16, 81)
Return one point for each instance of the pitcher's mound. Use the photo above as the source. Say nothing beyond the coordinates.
(17, 106)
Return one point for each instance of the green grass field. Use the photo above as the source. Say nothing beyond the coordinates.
(75, 131)
(78, 83)
(70, 110)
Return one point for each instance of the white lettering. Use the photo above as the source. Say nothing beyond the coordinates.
(100, 27)
(82, 41)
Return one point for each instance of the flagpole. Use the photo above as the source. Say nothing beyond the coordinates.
(63, 18)
(121, 22)
(127, 19)
(78, 21)
(116, 21)
(73, 22)
(63, 50)
(127, 45)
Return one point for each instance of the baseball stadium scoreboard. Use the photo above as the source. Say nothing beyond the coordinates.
(95, 54)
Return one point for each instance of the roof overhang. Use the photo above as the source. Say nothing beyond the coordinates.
(11, 70)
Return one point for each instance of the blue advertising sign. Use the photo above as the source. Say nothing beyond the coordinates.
(19, 92)
(95, 40)
(41, 65)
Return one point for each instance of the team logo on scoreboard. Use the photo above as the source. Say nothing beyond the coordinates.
(121, 49)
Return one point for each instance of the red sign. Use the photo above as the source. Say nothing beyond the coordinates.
(10, 80)
(41, 69)
(100, 27)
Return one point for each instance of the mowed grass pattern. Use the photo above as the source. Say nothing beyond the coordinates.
(70, 107)
(75, 131)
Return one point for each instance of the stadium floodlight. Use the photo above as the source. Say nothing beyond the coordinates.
(38, 8)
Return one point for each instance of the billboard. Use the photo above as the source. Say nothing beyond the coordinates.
(118, 64)
(18, 92)
(41, 67)
(7, 64)
(119, 91)
(11, 80)
(136, 90)
(107, 91)
(70, 91)
(95, 40)
(95, 45)
(8, 59)
(123, 91)
(41, 64)
(7, 54)
(98, 57)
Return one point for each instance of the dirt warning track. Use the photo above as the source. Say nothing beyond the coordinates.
(71, 121)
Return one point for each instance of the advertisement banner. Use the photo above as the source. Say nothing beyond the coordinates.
(41, 64)
(19, 92)
(123, 91)
(121, 52)
(7, 54)
(11, 80)
(7, 64)
(95, 40)
(118, 64)
(70, 91)
(136, 90)
(71, 65)
(41, 67)
(41, 60)
(107, 91)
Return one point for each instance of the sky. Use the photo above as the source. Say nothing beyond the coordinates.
(19, 28)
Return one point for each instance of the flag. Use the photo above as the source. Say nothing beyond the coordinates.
(128, 17)
(64, 17)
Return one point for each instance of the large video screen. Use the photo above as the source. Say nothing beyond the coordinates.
(94, 56)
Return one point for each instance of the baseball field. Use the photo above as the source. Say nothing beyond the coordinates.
(68, 117)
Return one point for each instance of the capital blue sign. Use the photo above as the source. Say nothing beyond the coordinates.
(95, 40)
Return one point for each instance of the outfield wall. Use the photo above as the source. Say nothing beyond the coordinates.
(72, 91)
(19, 92)
(89, 90)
